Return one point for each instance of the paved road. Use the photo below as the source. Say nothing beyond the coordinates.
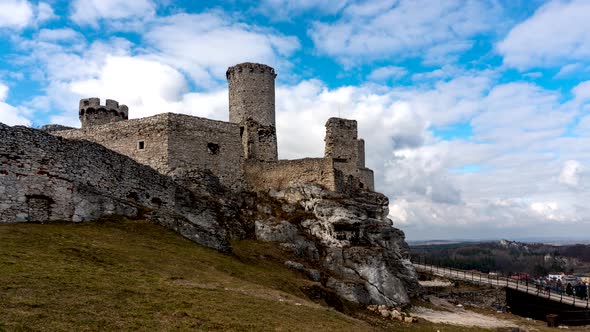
(486, 279)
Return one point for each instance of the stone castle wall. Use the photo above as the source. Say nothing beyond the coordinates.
(262, 176)
(203, 144)
(192, 149)
(125, 136)
(259, 142)
(173, 143)
(46, 178)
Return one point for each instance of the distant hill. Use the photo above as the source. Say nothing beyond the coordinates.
(505, 256)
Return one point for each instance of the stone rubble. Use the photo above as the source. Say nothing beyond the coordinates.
(392, 313)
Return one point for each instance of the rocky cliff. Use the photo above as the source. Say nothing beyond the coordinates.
(344, 242)
(350, 239)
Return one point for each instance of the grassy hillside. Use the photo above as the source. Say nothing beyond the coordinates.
(131, 275)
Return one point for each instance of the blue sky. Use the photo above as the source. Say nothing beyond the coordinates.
(475, 113)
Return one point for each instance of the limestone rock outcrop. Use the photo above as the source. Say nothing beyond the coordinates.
(365, 258)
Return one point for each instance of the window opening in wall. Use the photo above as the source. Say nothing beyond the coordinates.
(141, 145)
(212, 148)
(241, 131)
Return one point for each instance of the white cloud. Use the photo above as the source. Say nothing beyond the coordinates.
(558, 32)
(91, 11)
(519, 114)
(547, 210)
(146, 86)
(44, 12)
(54, 35)
(387, 72)
(19, 14)
(15, 14)
(405, 28)
(582, 91)
(3, 92)
(205, 45)
(571, 173)
(11, 115)
(570, 69)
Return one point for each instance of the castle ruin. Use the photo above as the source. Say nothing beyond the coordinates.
(241, 153)
(214, 182)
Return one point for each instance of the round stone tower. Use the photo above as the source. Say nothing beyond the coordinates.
(252, 105)
(252, 93)
(92, 113)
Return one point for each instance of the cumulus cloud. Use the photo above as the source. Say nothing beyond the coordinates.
(19, 14)
(145, 85)
(205, 45)
(180, 51)
(557, 33)
(16, 14)
(406, 28)
(44, 13)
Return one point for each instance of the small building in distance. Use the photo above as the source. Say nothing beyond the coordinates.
(241, 153)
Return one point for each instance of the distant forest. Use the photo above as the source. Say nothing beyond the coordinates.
(507, 257)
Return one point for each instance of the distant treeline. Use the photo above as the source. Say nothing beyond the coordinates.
(507, 257)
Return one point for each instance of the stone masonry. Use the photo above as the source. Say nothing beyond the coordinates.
(240, 154)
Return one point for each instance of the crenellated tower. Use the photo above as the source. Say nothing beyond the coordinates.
(92, 113)
(252, 106)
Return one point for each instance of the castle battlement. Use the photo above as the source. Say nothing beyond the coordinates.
(250, 67)
(92, 113)
(241, 153)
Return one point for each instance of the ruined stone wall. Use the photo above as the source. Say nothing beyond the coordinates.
(173, 144)
(348, 154)
(47, 178)
(342, 144)
(126, 137)
(262, 176)
(367, 179)
(203, 144)
(361, 153)
(259, 142)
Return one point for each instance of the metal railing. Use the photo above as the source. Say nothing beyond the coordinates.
(500, 281)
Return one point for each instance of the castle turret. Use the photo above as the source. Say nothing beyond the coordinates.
(92, 113)
(252, 105)
(347, 152)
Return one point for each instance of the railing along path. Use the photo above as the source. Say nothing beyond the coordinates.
(495, 280)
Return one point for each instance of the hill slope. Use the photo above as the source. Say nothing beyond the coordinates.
(138, 276)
